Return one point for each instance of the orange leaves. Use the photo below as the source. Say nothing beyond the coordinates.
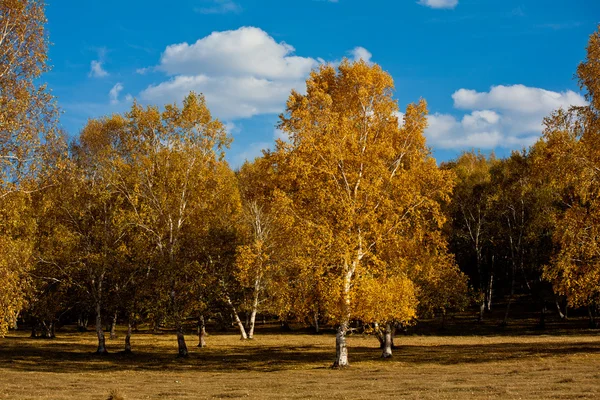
(363, 190)
(28, 118)
(385, 300)
(569, 157)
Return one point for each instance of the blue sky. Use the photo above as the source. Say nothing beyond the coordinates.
(489, 69)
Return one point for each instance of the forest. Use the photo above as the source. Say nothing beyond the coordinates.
(349, 224)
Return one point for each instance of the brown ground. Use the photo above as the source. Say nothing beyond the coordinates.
(295, 365)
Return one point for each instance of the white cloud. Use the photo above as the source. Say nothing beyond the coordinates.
(227, 97)
(439, 3)
(114, 93)
(360, 53)
(518, 98)
(506, 116)
(96, 70)
(242, 73)
(220, 7)
(245, 51)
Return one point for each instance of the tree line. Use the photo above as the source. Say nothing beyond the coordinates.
(350, 220)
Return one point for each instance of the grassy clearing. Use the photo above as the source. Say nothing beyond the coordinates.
(276, 366)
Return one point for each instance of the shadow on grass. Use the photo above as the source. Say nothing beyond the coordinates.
(60, 356)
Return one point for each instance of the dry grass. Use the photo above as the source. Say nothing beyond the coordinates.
(276, 366)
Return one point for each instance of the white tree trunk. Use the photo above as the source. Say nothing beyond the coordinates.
(341, 348)
(113, 327)
(237, 319)
(100, 332)
(254, 308)
(201, 332)
(387, 343)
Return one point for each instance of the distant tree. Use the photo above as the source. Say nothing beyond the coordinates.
(520, 227)
(569, 155)
(470, 220)
(265, 229)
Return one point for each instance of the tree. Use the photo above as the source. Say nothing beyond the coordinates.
(569, 154)
(265, 231)
(167, 169)
(470, 220)
(362, 189)
(519, 226)
(27, 120)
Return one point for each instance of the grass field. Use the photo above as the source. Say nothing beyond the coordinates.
(295, 365)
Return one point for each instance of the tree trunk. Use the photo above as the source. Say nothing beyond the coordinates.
(128, 337)
(490, 291)
(560, 313)
(33, 330)
(237, 319)
(254, 308)
(481, 310)
(341, 348)
(113, 327)
(394, 329)
(387, 347)
(380, 336)
(16, 320)
(183, 351)
(316, 318)
(80, 326)
(48, 332)
(201, 332)
(99, 331)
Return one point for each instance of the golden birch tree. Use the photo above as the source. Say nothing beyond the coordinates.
(569, 155)
(167, 171)
(363, 189)
(27, 120)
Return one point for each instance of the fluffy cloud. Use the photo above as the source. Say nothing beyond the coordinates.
(506, 116)
(242, 73)
(114, 93)
(247, 51)
(360, 53)
(516, 98)
(96, 70)
(228, 97)
(439, 3)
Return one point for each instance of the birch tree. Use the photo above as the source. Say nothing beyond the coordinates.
(359, 186)
(28, 117)
(166, 172)
(569, 155)
(470, 220)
